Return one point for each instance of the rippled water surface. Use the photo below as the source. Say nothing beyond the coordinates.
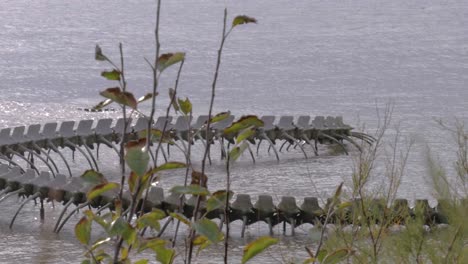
(303, 57)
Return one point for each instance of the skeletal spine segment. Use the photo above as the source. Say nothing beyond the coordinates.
(37, 143)
(73, 191)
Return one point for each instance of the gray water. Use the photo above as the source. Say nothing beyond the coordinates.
(303, 57)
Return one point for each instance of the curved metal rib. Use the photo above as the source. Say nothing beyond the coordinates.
(109, 144)
(264, 135)
(48, 157)
(71, 144)
(282, 145)
(6, 190)
(56, 150)
(365, 135)
(165, 226)
(179, 135)
(70, 215)
(251, 154)
(59, 219)
(10, 194)
(336, 141)
(22, 205)
(369, 139)
(197, 135)
(32, 152)
(349, 140)
(5, 158)
(23, 158)
(91, 155)
(258, 146)
(102, 208)
(293, 139)
(314, 147)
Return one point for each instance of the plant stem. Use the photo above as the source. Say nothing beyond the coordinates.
(450, 248)
(168, 109)
(322, 234)
(164, 130)
(124, 113)
(155, 75)
(123, 85)
(213, 91)
(226, 207)
(208, 125)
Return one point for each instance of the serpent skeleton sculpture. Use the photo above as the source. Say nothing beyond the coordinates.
(55, 186)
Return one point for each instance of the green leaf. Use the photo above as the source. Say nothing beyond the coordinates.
(151, 219)
(344, 205)
(116, 95)
(100, 242)
(185, 105)
(100, 189)
(86, 261)
(124, 251)
(199, 240)
(93, 177)
(101, 256)
(98, 55)
(168, 59)
(120, 227)
(208, 228)
(164, 255)
(243, 123)
(171, 165)
(142, 261)
(190, 189)
(181, 218)
(137, 156)
(146, 97)
(246, 133)
(322, 254)
(151, 243)
(257, 246)
(98, 219)
(113, 75)
(337, 193)
(235, 153)
(217, 200)
(124, 256)
(132, 181)
(337, 256)
(83, 230)
(202, 242)
(102, 104)
(309, 261)
(239, 20)
(220, 116)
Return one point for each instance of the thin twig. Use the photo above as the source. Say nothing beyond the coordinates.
(208, 127)
(155, 75)
(122, 146)
(226, 208)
